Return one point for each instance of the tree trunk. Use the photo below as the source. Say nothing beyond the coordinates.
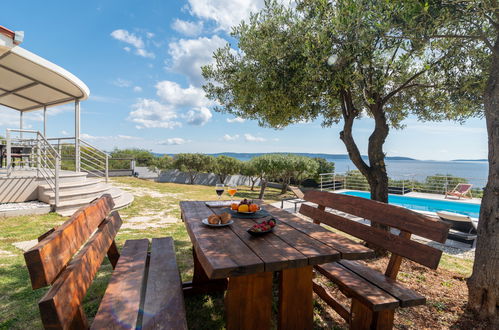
(253, 181)
(483, 285)
(375, 173)
(263, 186)
(285, 185)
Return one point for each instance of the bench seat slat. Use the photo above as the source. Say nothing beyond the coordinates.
(406, 296)
(164, 299)
(120, 305)
(358, 288)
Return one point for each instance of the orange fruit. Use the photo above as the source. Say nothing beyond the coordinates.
(253, 208)
(234, 206)
(243, 208)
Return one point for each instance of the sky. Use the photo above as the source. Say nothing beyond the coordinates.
(141, 61)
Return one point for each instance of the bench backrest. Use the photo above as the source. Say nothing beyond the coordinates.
(407, 221)
(69, 257)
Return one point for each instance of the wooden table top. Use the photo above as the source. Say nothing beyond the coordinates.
(294, 242)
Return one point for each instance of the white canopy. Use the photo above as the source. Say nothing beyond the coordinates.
(29, 82)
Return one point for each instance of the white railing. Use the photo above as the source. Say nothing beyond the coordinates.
(88, 158)
(33, 154)
(436, 184)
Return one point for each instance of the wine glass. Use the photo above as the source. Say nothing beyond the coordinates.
(219, 188)
(232, 191)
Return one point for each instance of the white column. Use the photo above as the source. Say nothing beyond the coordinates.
(21, 124)
(45, 121)
(77, 135)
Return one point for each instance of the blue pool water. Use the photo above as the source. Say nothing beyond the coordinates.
(424, 204)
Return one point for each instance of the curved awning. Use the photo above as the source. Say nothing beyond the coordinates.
(29, 82)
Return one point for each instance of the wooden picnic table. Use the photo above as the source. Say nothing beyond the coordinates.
(230, 254)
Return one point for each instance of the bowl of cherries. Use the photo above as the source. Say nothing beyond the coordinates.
(263, 227)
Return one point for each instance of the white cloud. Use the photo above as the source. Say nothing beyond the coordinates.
(65, 133)
(137, 89)
(236, 120)
(172, 93)
(226, 13)
(252, 138)
(127, 37)
(144, 53)
(149, 35)
(198, 116)
(173, 141)
(228, 137)
(133, 40)
(127, 49)
(190, 29)
(122, 82)
(119, 137)
(152, 114)
(188, 55)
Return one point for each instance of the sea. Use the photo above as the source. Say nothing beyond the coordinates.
(400, 168)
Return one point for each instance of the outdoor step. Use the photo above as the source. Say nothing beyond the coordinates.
(89, 191)
(67, 208)
(69, 186)
(123, 201)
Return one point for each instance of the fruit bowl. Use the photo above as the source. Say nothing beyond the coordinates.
(263, 227)
(245, 207)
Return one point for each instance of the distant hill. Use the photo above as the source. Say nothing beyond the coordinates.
(469, 160)
(248, 156)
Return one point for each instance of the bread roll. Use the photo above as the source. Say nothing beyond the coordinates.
(214, 219)
(225, 217)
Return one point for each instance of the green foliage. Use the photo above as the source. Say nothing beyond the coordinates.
(249, 170)
(296, 64)
(225, 166)
(142, 158)
(193, 164)
(356, 181)
(164, 162)
(323, 167)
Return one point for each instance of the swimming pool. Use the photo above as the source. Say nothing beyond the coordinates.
(425, 204)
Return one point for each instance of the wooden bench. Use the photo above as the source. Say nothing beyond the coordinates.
(374, 295)
(145, 290)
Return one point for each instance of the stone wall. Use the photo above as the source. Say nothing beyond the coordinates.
(207, 179)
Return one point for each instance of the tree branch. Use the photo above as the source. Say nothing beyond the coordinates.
(349, 114)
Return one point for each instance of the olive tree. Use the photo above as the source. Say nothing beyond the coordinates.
(193, 164)
(473, 25)
(340, 61)
(225, 166)
(249, 170)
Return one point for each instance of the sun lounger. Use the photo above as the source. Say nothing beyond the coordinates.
(298, 200)
(463, 227)
(461, 190)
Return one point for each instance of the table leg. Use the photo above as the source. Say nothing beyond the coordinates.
(200, 281)
(296, 299)
(248, 302)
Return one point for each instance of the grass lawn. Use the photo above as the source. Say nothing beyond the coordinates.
(156, 213)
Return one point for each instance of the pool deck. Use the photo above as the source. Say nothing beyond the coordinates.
(430, 196)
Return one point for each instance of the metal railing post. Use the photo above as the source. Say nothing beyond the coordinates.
(321, 182)
(9, 152)
(39, 156)
(57, 167)
(107, 168)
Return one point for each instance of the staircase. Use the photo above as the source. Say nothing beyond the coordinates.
(76, 189)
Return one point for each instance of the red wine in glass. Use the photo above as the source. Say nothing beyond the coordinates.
(219, 189)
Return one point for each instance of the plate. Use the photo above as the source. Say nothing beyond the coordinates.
(205, 221)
